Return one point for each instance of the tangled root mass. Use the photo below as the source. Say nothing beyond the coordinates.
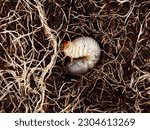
(32, 71)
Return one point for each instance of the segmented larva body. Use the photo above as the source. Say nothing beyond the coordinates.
(84, 53)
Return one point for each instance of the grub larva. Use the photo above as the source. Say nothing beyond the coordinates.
(84, 53)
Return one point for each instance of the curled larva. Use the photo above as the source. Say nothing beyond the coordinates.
(84, 53)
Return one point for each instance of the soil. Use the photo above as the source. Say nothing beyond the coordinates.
(120, 81)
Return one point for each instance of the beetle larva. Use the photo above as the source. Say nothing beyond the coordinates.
(84, 53)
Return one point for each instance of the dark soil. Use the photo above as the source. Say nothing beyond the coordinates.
(120, 82)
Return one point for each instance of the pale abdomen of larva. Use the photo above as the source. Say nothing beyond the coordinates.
(84, 48)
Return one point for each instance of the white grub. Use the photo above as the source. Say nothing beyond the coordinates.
(84, 53)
